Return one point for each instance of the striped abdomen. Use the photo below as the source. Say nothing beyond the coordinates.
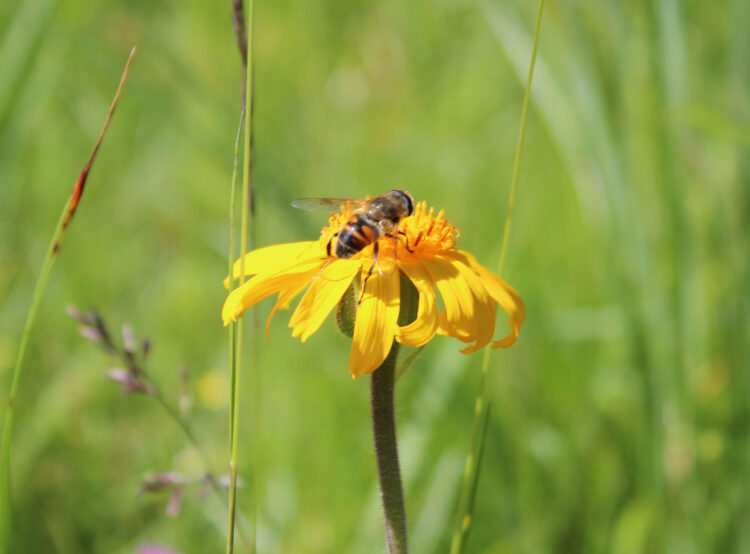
(355, 235)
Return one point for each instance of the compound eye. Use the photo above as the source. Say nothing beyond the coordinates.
(410, 203)
(407, 198)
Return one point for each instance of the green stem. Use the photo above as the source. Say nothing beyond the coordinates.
(386, 450)
(236, 340)
(482, 405)
(233, 348)
(521, 136)
(41, 285)
(54, 247)
(472, 464)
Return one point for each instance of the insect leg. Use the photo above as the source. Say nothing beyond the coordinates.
(406, 240)
(325, 265)
(328, 246)
(374, 263)
(329, 260)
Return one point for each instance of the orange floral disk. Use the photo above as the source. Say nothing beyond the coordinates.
(468, 290)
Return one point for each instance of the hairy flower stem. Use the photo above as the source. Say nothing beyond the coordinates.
(386, 450)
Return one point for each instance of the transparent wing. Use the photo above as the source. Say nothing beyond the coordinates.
(326, 204)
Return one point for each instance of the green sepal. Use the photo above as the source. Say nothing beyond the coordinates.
(346, 312)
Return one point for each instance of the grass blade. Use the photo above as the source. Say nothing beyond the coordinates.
(406, 362)
(471, 472)
(54, 248)
(233, 348)
(236, 330)
(482, 406)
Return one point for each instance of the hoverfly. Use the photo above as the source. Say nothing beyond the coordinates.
(372, 219)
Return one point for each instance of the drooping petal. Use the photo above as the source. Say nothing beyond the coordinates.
(424, 327)
(264, 285)
(504, 295)
(456, 320)
(483, 307)
(324, 293)
(286, 296)
(275, 258)
(376, 322)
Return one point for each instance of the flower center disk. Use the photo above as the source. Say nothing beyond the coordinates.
(423, 234)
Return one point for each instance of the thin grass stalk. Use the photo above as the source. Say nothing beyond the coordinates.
(407, 362)
(53, 249)
(481, 405)
(233, 326)
(240, 34)
(249, 204)
(232, 253)
(237, 339)
(521, 137)
(473, 462)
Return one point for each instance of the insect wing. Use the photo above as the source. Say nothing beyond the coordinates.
(326, 204)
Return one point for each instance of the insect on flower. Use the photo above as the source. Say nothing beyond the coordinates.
(399, 238)
(371, 220)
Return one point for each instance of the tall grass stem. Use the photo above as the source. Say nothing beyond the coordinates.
(236, 331)
(233, 329)
(521, 137)
(482, 406)
(54, 247)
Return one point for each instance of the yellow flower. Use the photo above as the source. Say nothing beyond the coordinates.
(468, 290)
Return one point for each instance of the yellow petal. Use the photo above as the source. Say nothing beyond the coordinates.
(377, 318)
(504, 295)
(326, 290)
(483, 305)
(264, 285)
(286, 296)
(274, 258)
(457, 318)
(422, 329)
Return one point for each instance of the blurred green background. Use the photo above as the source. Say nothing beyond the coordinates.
(620, 419)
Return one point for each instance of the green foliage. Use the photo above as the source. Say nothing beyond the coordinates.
(619, 419)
